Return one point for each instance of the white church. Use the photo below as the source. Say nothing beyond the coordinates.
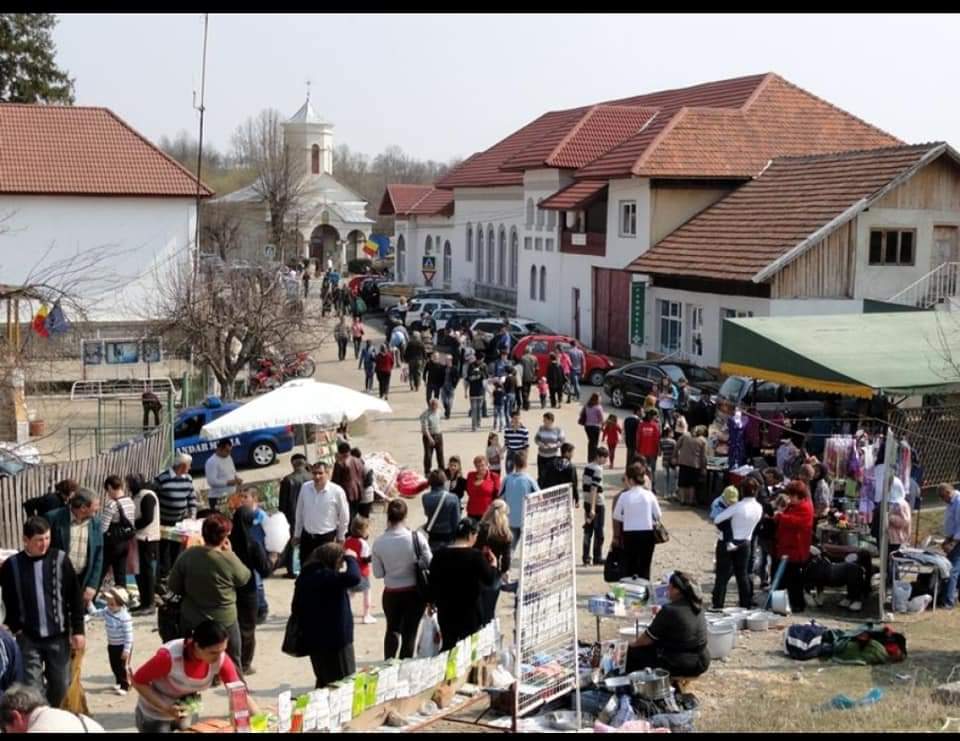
(329, 223)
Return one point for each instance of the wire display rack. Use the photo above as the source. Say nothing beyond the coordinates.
(546, 624)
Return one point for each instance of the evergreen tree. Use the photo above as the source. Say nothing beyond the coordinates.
(28, 73)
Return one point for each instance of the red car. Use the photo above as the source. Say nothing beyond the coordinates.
(597, 365)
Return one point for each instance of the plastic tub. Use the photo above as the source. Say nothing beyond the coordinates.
(720, 640)
(758, 621)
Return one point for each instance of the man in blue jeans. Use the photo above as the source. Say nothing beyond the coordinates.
(951, 546)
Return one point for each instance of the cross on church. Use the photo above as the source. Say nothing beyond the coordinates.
(308, 90)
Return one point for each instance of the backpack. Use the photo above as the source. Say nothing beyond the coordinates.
(803, 641)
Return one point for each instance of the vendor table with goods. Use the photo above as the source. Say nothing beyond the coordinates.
(840, 538)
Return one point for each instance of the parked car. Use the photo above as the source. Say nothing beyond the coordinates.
(451, 319)
(421, 293)
(519, 328)
(417, 306)
(370, 292)
(256, 448)
(597, 365)
(628, 385)
(770, 397)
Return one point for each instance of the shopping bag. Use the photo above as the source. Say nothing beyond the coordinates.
(429, 643)
(75, 701)
(613, 565)
(293, 638)
(404, 373)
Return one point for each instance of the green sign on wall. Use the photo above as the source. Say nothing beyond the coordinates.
(638, 293)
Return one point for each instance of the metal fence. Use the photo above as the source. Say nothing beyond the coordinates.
(934, 434)
(148, 456)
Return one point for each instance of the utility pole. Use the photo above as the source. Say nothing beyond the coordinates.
(203, 81)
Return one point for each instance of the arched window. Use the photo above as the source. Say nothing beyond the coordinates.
(529, 213)
(539, 216)
(469, 243)
(502, 258)
(480, 254)
(533, 282)
(315, 159)
(514, 258)
(551, 220)
(447, 264)
(428, 247)
(491, 255)
(401, 258)
(543, 283)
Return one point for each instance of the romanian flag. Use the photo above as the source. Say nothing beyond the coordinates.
(371, 248)
(40, 321)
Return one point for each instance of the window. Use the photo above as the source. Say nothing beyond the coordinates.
(551, 219)
(540, 347)
(428, 246)
(533, 282)
(671, 326)
(447, 264)
(469, 243)
(543, 283)
(529, 213)
(695, 314)
(549, 244)
(480, 253)
(491, 255)
(528, 243)
(401, 258)
(628, 218)
(539, 216)
(892, 246)
(315, 159)
(502, 258)
(538, 244)
(514, 258)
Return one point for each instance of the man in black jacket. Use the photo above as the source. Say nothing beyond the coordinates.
(414, 356)
(433, 374)
(44, 607)
(289, 493)
(62, 491)
(562, 471)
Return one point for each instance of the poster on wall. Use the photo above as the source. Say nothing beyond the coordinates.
(92, 351)
(151, 351)
(122, 352)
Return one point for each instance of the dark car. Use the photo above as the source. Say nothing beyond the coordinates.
(627, 386)
(370, 292)
(451, 319)
(769, 397)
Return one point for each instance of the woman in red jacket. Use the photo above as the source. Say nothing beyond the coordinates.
(384, 367)
(483, 486)
(793, 538)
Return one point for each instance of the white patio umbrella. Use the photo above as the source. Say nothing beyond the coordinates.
(302, 401)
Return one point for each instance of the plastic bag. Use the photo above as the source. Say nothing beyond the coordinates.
(901, 595)
(410, 483)
(919, 603)
(75, 701)
(429, 643)
(277, 532)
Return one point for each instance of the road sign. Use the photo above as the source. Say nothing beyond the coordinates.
(429, 267)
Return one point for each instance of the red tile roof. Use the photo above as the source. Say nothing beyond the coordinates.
(407, 200)
(738, 237)
(728, 129)
(575, 195)
(75, 150)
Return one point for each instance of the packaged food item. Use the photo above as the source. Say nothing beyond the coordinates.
(239, 706)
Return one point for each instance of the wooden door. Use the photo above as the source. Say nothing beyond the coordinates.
(946, 251)
(611, 312)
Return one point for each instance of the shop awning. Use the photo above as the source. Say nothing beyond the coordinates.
(852, 354)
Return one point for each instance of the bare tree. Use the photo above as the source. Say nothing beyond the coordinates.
(233, 316)
(279, 181)
(220, 229)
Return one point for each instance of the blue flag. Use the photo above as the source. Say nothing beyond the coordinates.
(56, 321)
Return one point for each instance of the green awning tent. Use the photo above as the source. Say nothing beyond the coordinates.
(860, 355)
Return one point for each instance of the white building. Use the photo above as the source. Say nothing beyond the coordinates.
(545, 221)
(89, 203)
(329, 223)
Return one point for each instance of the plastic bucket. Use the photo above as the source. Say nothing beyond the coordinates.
(720, 640)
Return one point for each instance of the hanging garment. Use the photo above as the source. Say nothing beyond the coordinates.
(737, 444)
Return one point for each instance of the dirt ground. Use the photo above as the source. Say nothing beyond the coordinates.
(757, 688)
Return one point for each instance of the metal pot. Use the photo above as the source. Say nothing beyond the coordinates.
(652, 684)
(616, 684)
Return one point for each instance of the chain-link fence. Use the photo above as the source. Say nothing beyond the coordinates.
(934, 434)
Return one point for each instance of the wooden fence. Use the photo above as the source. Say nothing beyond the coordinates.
(147, 456)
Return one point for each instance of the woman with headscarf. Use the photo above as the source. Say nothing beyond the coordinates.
(252, 554)
(899, 519)
(676, 640)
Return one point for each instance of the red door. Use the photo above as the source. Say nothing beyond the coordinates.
(611, 312)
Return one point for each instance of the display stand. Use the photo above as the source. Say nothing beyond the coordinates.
(546, 625)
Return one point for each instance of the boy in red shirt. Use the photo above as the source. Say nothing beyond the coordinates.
(648, 443)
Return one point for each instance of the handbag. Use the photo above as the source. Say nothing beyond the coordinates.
(660, 534)
(613, 565)
(293, 643)
(582, 419)
(422, 571)
(119, 532)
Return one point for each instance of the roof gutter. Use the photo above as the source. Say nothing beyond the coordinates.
(781, 262)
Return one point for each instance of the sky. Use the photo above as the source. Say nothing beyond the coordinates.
(443, 86)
